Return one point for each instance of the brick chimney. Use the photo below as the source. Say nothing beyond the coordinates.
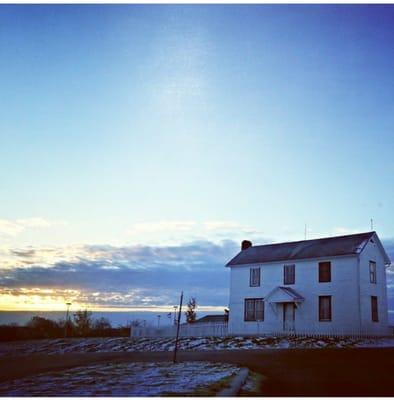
(246, 244)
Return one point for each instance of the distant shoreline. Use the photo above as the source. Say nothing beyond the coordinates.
(115, 317)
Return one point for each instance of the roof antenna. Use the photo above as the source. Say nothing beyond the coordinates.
(371, 224)
(305, 232)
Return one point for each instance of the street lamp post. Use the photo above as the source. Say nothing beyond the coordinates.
(175, 310)
(68, 304)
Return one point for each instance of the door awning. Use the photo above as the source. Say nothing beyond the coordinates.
(283, 294)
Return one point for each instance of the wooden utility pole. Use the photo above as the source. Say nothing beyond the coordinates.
(178, 326)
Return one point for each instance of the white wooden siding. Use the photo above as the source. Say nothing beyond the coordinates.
(348, 284)
(367, 289)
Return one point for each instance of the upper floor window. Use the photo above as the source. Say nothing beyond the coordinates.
(374, 309)
(325, 271)
(254, 279)
(372, 271)
(324, 308)
(254, 310)
(289, 274)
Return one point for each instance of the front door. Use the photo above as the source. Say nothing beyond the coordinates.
(288, 317)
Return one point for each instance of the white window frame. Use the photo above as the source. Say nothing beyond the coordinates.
(255, 277)
(289, 274)
(374, 309)
(321, 274)
(329, 310)
(372, 271)
(253, 313)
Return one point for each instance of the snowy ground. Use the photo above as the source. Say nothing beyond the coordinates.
(127, 379)
(59, 346)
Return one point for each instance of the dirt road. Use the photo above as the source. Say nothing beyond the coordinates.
(290, 372)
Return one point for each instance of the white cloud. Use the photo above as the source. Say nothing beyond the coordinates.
(13, 257)
(34, 223)
(126, 276)
(14, 228)
(174, 232)
(9, 228)
(122, 276)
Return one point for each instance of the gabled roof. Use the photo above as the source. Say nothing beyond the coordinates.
(283, 294)
(304, 249)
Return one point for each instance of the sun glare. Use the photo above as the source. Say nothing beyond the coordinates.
(37, 299)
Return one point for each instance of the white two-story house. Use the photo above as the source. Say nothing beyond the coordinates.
(333, 285)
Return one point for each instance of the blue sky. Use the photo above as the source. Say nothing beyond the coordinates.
(163, 125)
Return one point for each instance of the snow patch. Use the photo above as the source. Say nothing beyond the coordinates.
(62, 346)
(124, 379)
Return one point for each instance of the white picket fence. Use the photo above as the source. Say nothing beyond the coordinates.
(312, 334)
(185, 330)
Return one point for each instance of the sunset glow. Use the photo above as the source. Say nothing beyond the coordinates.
(141, 144)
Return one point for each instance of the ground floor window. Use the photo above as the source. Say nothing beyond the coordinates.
(254, 310)
(325, 308)
(374, 309)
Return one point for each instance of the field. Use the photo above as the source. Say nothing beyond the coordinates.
(60, 346)
(126, 379)
(142, 367)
